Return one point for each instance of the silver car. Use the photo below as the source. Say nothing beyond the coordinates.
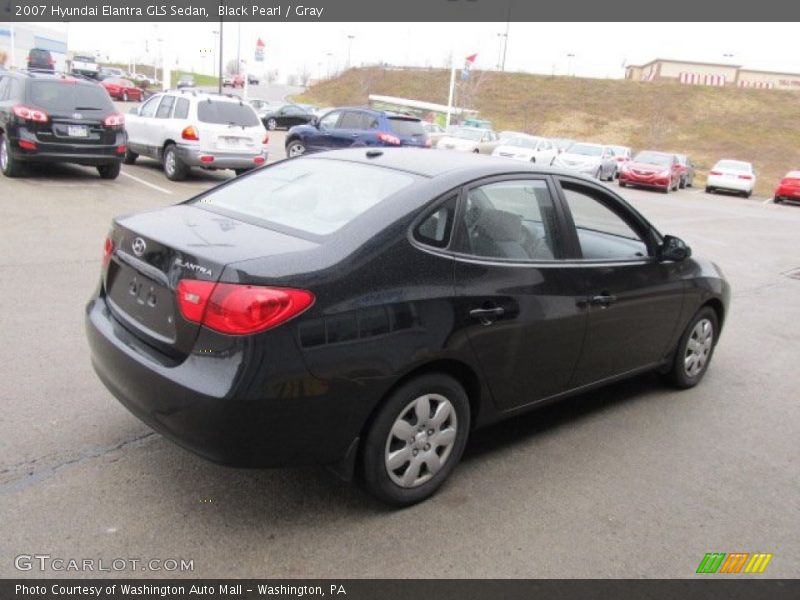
(595, 160)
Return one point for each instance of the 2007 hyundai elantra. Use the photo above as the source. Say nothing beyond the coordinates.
(367, 309)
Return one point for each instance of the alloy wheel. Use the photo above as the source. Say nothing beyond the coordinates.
(296, 150)
(698, 347)
(3, 154)
(421, 440)
(169, 162)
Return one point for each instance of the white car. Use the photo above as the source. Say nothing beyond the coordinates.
(595, 160)
(733, 176)
(622, 154)
(528, 148)
(184, 129)
(466, 139)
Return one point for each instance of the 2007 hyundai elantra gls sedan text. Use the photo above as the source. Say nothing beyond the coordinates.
(367, 308)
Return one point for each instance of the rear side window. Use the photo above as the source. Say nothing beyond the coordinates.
(227, 113)
(62, 96)
(355, 120)
(182, 108)
(406, 126)
(315, 196)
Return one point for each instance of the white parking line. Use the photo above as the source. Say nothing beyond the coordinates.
(767, 201)
(147, 183)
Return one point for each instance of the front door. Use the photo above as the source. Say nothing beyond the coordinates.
(633, 300)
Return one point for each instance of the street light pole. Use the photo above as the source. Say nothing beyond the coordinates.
(500, 37)
(569, 63)
(349, 48)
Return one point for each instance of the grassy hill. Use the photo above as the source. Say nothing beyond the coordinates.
(707, 123)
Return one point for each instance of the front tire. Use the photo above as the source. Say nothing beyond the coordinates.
(695, 349)
(130, 157)
(174, 168)
(416, 440)
(272, 124)
(295, 148)
(709, 190)
(777, 200)
(10, 166)
(682, 183)
(109, 171)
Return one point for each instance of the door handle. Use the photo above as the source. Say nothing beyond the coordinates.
(354, 134)
(603, 299)
(487, 315)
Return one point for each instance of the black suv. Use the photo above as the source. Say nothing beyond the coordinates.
(57, 118)
(40, 59)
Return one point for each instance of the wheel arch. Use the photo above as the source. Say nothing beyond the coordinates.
(168, 142)
(716, 305)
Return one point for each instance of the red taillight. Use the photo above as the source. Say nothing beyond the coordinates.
(30, 114)
(259, 160)
(108, 248)
(745, 176)
(206, 158)
(239, 309)
(115, 120)
(715, 172)
(266, 140)
(190, 133)
(122, 149)
(388, 138)
(27, 145)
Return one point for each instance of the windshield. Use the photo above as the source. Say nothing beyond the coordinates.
(585, 149)
(467, 134)
(654, 158)
(522, 142)
(60, 96)
(227, 113)
(317, 196)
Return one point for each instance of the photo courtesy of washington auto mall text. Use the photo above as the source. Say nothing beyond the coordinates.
(399, 299)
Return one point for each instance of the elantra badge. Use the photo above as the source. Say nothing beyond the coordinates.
(138, 246)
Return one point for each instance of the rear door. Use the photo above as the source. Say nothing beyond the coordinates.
(633, 300)
(515, 301)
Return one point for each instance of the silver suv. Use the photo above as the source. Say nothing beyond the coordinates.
(184, 129)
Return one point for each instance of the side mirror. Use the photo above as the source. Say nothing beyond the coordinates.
(673, 249)
(315, 122)
(134, 110)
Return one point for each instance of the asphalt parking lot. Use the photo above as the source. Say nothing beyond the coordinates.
(636, 480)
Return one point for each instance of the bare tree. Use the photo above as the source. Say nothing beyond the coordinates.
(304, 75)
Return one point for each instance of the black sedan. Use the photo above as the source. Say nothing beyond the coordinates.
(367, 309)
(286, 116)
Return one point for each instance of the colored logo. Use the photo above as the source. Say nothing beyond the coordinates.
(735, 562)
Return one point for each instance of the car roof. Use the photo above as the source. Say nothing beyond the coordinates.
(433, 163)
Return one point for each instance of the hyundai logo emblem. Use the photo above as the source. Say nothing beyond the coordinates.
(138, 246)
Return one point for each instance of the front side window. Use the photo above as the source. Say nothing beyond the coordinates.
(512, 219)
(149, 108)
(602, 233)
(329, 121)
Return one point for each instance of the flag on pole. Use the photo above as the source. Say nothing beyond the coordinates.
(260, 50)
(468, 62)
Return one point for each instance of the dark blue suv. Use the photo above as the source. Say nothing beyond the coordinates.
(348, 127)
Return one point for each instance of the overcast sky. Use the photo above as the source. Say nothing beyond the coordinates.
(599, 49)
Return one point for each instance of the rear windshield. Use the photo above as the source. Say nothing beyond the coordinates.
(734, 165)
(316, 196)
(227, 113)
(406, 126)
(654, 158)
(523, 142)
(57, 95)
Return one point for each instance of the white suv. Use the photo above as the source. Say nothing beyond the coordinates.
(184, 129)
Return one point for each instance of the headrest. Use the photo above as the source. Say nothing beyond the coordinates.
(499, 225)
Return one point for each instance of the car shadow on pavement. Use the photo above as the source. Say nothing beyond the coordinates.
(59, 171)
(194, 174)
(283, 497)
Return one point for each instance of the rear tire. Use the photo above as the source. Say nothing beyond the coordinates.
(174, 168)
(695, 349)
(709, 190)
(10, 166)
(682, 183)
(421, 430)
(130, 157)
(777, 200)
(109, 171)
(241, 171)
(272, 124)
(748, 194)
(622, 184)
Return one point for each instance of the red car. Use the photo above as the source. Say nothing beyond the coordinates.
(652, 169)
(122, 89)
(788, 188)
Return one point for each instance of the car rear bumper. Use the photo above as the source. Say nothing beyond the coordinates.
(61, 151)
(788, 192)
(220, 405)
(729, 183)
(191, 156)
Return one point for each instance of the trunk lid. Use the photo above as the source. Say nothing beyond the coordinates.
(153, 251)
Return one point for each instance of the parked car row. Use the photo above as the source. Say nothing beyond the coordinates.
(47, 117)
